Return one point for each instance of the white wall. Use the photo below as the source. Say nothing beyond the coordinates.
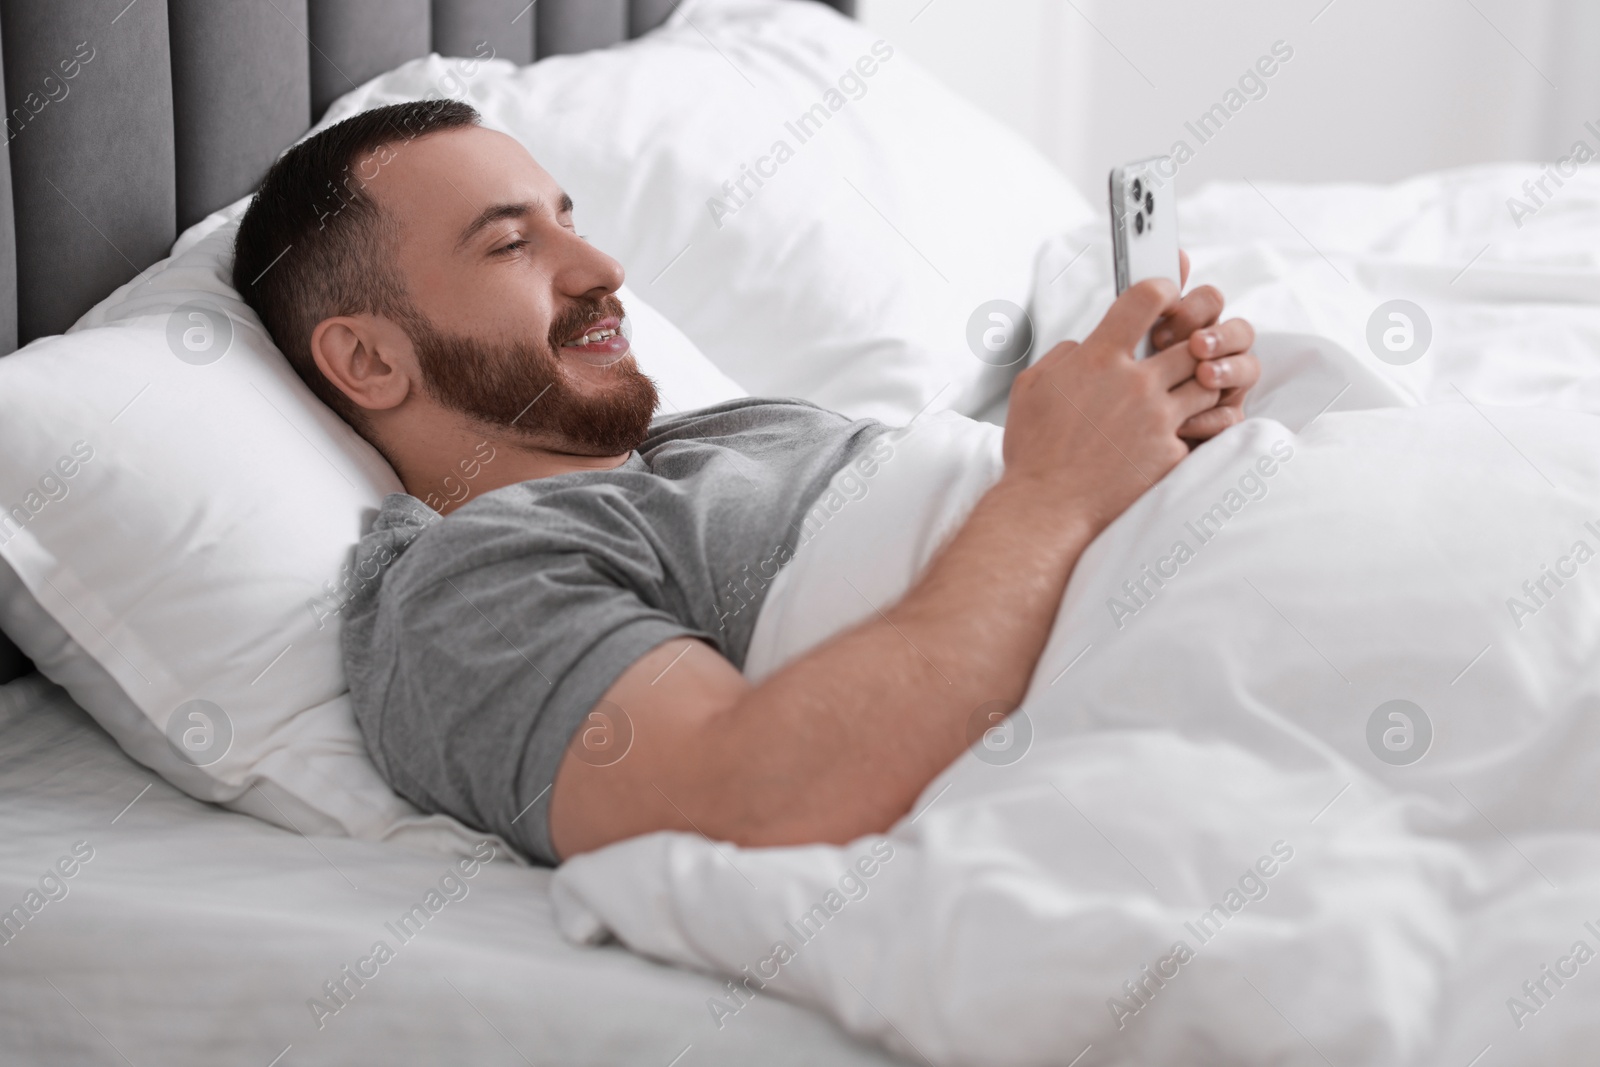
(1375, 90)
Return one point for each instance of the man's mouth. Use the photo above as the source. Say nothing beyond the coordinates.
(600, 342)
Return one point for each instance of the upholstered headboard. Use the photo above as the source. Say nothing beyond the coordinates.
(130, 120)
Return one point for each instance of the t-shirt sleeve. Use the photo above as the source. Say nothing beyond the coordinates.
(495, 665)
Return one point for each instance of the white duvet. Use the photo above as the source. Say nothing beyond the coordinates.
(1211, 835)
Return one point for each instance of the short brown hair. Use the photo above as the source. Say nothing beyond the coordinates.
(312, 245)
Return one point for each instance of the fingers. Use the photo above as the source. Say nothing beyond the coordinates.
(1224, 360)
(1226, 346)
(1133, 313)
(1209, 423)
(1231, 374)
(1190, 399)
(1197, 309)
(1172, 366)
(1183, 268)
(1229, 338)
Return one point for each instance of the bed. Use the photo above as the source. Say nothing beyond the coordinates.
(179, 910)
(207, 932)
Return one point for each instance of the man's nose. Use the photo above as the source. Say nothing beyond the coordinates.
(587, 271)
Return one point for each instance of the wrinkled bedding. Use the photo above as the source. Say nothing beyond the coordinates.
(1306, 773)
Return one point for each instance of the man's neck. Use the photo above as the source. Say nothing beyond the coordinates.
(448, 474)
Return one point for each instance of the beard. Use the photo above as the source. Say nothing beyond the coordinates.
(522, 388)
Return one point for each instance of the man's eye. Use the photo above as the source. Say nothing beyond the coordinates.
(513, 246)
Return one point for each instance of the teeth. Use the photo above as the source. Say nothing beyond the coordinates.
(592, 337)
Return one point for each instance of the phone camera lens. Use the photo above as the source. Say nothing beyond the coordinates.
(1149, 203)
(1138, 190)
(1138, 223)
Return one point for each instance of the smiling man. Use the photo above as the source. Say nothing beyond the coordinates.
(422, 274)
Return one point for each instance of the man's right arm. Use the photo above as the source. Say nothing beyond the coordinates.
(841, 741)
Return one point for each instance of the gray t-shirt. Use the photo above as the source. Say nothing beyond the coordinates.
(477, 644)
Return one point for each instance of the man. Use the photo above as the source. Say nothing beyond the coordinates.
(423, 276)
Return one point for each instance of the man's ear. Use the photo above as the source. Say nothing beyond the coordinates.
(366, 358)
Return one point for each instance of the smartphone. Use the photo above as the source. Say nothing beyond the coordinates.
(1144, 226)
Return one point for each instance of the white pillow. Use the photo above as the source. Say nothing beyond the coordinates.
(850, 277)
(183, 512)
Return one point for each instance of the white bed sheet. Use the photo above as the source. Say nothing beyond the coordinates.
(195, 936)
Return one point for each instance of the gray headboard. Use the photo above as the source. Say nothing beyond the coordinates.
(129, 120)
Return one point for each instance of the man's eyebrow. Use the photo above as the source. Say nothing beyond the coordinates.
(496, 212)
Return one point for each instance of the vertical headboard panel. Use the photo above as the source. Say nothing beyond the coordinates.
(579, 26)
(8, 239)
(646, 15)
(506, 25)
(240, 94)
(92, 166)
(353, 41)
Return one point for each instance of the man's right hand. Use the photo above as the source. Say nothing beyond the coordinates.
(1090, 425)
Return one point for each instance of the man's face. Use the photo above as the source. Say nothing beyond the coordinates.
(503, 293)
